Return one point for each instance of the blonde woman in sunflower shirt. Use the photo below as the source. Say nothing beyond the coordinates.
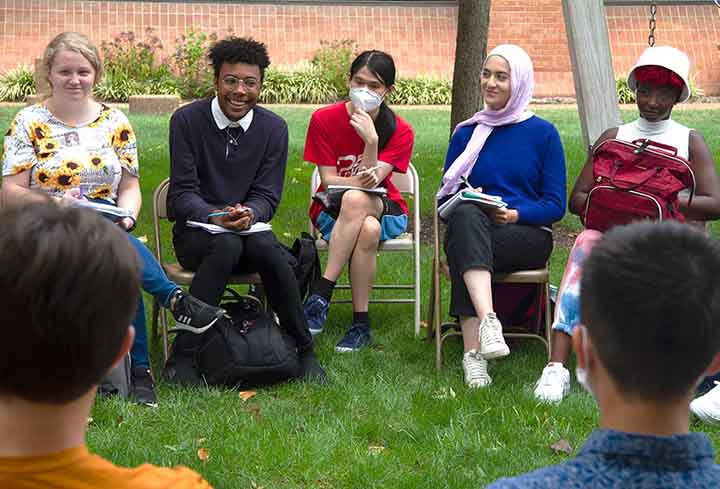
(71, 147)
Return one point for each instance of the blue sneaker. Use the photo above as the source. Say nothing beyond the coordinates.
(316, 310)
(356, 337)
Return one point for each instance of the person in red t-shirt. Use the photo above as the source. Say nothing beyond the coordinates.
(358, 143)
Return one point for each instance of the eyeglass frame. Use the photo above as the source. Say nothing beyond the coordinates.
(249, 83)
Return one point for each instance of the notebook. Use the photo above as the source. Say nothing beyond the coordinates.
(479, 198)
(342, 188)
(109, 210)
(258, 227)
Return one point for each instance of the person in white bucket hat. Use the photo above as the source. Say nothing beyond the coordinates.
(659, 80)
(670, 62)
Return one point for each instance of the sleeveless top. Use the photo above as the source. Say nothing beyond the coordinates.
(666, 132)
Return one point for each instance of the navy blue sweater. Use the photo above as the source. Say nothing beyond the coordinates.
(524, 164)
(202, 178)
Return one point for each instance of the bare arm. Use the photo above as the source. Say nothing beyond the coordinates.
(584, 182)
(16, 190)
(129, 197)
(705, 205)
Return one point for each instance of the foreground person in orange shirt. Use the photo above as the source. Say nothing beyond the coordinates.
(68, 291)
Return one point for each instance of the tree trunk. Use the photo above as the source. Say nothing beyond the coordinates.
(470, 49)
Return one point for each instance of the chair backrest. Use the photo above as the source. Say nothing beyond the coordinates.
(160, 212)
(408, 183)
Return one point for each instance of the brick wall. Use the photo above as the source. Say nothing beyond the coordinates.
(421, 38)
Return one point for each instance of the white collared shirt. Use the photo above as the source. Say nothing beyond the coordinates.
(222, 120)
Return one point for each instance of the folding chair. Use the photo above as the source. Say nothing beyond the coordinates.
(541, 277)
(175, 271)
(408, 184)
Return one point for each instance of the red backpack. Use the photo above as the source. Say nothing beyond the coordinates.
(638, 180)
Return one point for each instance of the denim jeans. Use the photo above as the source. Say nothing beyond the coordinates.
(156, 283)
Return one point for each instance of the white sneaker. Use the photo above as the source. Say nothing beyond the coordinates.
(492, 343)
(707, 407)
(475, 367)
(554, 383)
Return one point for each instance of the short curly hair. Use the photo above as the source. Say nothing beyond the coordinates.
(239, 50)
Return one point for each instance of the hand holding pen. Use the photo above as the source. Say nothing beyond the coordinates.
(237, 217)
(368, 177)
(470, 187)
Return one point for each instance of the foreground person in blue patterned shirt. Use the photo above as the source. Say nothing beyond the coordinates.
(650, 311)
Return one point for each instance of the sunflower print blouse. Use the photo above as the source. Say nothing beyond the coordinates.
(60, 157)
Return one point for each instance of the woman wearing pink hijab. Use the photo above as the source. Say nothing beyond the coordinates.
(512, 153)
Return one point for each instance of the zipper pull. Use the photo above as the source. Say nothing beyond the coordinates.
(642, 147)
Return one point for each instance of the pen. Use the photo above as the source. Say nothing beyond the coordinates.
(216, 214)
(369, 169)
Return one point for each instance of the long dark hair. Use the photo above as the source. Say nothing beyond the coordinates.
(381, 65)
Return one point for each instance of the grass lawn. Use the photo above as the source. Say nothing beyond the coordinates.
(387, 419)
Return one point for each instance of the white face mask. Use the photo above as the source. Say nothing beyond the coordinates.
(365, 99)
(581, 373)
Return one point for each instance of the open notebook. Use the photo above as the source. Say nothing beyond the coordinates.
(114, 212)
(342, 188)
(479, 198)
(258, 227)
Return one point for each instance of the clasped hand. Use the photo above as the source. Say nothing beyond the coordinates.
(238, 217)
(502, 215)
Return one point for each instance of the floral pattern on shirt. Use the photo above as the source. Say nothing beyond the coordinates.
(60, 157)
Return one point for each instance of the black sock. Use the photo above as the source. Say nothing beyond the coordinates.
(324, 288)
(361, 317)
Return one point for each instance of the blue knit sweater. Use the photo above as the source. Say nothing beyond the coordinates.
(524, 164)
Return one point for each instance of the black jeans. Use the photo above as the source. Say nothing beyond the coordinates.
(473, 241)
(214, 257)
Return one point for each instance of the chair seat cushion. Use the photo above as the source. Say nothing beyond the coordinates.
(181, 276)
(404, 242)
(539, 276)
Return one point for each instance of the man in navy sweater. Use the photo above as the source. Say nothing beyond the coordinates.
(227, 167)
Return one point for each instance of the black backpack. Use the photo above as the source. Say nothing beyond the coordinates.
(118, 382)
(248, 349)
(307, 262)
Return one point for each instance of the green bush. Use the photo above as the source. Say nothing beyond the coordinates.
(333, 61)
(624, 94)
(421, 91)
(133, 67)
(192, 68)
(306, 86)
(695, 91)
(16, 84)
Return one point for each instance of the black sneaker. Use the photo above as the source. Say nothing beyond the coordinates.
(310, 369)
(357, 337)
(194, 315)
(143, 387)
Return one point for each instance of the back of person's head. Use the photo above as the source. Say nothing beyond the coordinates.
(239, 50)
(650, 300)
(78, 43)
(68, 290)
(382, 66)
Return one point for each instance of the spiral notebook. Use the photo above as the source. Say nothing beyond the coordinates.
(478, 198)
